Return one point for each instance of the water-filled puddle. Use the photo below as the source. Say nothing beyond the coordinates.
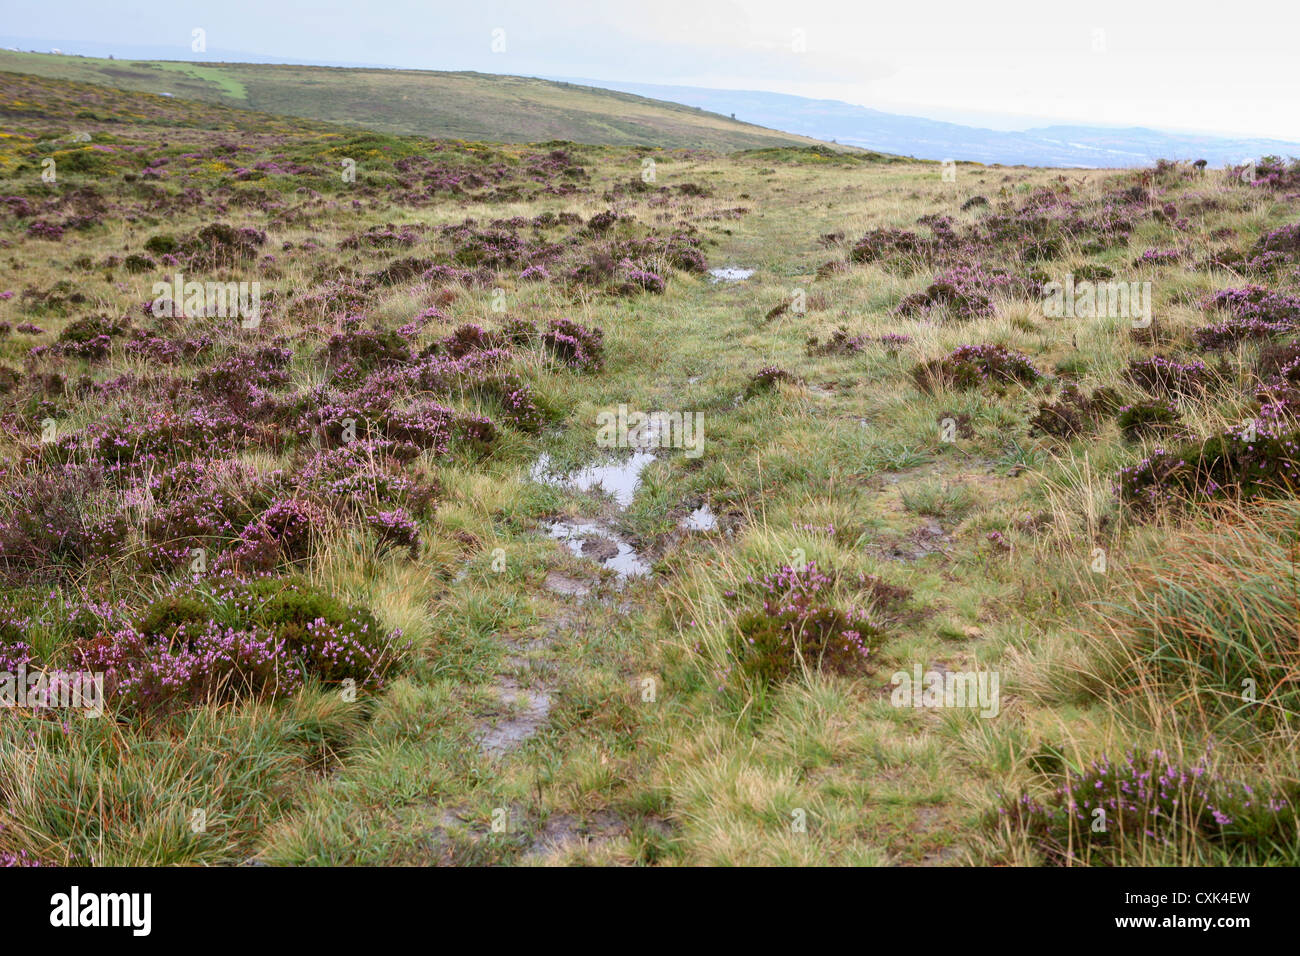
(619, 479)
(730, 274)
(596, 542)
(701, 519)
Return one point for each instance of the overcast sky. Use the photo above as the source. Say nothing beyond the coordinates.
(1191, 65)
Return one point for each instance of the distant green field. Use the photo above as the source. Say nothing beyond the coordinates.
(473, 106)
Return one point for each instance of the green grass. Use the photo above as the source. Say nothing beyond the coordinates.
(842, 464)
(470, 106)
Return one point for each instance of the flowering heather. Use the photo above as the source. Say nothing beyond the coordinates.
(1283, 241)
(1254, 313)
(1158, 257)
(365, 348)
(396, 528)
(239, 639)
(193, 665)
(21, 858)
(448, 273)
(973, 366)
(1150, 804)
(966, 291)
(220, 246)
(484, 373)
(40, 229)
(799, 627)
(354, 478)
(15, 651)
(892, 245)
(1166, 376)
(383, 237)
(575, 345)
(334, 298)
(166, 435)
(642, 280)
(1276, 174)
(17, 207)
(765, 380)
(1236, 462)
(283, 532)
(491, 248)
(1073, 413)
(88, 338)
(469, 338)
(421, 321)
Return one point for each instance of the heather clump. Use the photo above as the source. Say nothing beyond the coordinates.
(1158, 257)
(1254, 312)
(839, 342)
(1072, 413)
(387, 236)
(1161, 375)
(573, 344)
(220, 246)
(893, 246)
(766, 379)
(965, 291)
(801, 628)
(129, 444)
(89, 337)
(1151, 807)
(237, 640)
(1156, 418)
(470, 338)
(1258, 459)
(363, 475)
(1277, 174)
(365, 348)
(976, 366)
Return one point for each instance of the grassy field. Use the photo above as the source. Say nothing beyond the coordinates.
(319, 564)
(472, 106)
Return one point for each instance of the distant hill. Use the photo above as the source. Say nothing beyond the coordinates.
(1090, 146)
(473, 106)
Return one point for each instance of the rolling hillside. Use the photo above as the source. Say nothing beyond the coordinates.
(473, 106)
(1058, 145)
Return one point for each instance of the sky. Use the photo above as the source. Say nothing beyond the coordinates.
(1191, 65)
